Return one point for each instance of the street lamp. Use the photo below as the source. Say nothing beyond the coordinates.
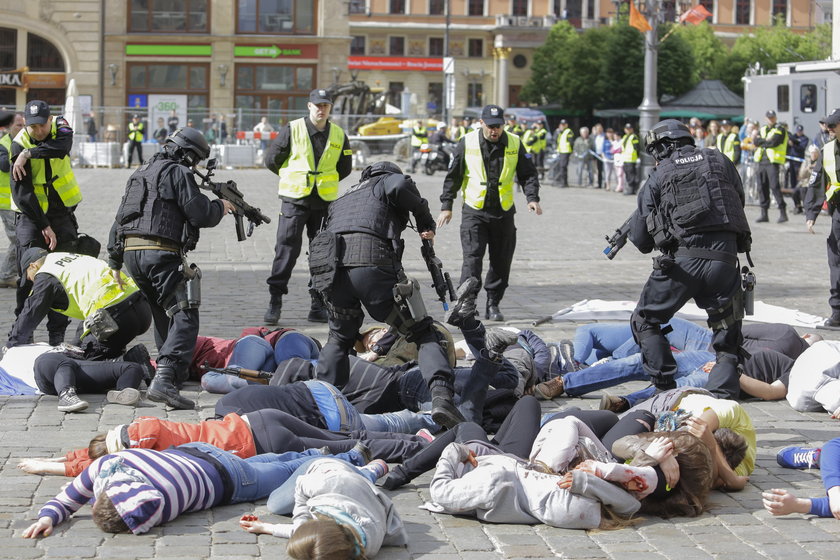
(649, 109)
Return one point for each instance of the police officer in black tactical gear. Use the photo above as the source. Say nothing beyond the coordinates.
(692, 210)
(356, 261)
(156, 225)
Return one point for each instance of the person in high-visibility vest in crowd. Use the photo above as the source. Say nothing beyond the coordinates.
(770, 150)
(457, 130)
(44, 194)
(135, 140)
(564, 153)
(630, 159)
(310, 155)
(9, 265)
(514, 127)
(419, 136)
(483, 167)
(534, 140)
(824, 185)
(728, 142)
(83, 288)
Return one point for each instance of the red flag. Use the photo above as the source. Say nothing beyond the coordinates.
(695, 15)
(637, 20)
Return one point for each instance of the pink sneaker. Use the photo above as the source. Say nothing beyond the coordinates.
(425, 434)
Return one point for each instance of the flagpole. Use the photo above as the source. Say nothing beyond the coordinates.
(649, 109)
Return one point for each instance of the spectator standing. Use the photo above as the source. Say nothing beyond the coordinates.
(598, 137)
(583, 148)
(264, 129)
(797, 146)
(564, 153)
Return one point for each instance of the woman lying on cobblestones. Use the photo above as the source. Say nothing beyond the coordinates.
(336, 513)
(262, 431)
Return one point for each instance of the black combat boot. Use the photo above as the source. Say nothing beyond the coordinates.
(492, 313)
(464, 306)
(444, 411)
(317, 311)
(763, 216)
(163, 389)
(272, 314)
(663, 382)
(782, 216)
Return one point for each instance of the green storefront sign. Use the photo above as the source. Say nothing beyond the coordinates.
(272, 51)
(168, 50)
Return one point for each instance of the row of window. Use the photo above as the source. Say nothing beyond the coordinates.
(284, 17)
(438, 7)
(742, 9)
(396, 46)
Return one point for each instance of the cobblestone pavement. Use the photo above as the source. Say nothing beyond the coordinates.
(558, 262)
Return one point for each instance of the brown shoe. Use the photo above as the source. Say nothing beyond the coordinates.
(547, 390)
(614, 404)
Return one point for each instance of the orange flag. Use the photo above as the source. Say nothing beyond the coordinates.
(694, 15)
(637, 20)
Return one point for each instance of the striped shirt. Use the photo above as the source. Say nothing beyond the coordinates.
(175, 483)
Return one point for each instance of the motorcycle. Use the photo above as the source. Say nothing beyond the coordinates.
(434, 157)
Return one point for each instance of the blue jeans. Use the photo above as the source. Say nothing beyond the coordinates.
(596, 341)
(282, 500)
(616, 372)
(256, 477)
(403, 421)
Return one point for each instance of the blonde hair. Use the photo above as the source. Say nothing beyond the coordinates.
(106, 516)
(322, 539)
(97, 447)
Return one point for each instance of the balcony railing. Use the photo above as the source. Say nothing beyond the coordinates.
(525, 21)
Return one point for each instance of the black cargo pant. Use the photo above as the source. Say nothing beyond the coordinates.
(133, 316)
(768, 181)
(481, 232)
(156, 274)
(293, 219)
(833, 246)
(562, 177)
(372, 286)
(713, 285)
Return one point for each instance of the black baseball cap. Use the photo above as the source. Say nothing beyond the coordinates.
(317, 96)
(36, 112)
(770, 114)
(30, 256)
(6, 118)
(833, 119)
(493, 115)
(800, 128)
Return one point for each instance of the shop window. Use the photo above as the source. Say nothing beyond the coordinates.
(357, 45)
(475, 48)
(279, 92)
(283, 17)
(396, 46)
(42, 56)
(475, 8)
(435, 46)
(166, 78)
(783, 98)
(437, 7)
(808, 98)
(54, 97)
(8, 48)
(168, 16)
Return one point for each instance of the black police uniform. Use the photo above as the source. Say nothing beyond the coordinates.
(156, 225)
(705, 220)
(814, 198)
(491, 228)
(768, 173)
(31, 219)
(309, 212)
(367, 222)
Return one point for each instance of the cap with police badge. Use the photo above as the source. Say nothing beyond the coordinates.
(36, 112)
(317, 96)
(771, 114)
(493, 115)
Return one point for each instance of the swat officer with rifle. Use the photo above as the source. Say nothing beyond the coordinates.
(691, 209)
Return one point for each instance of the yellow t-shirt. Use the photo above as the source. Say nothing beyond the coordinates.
(730, 415)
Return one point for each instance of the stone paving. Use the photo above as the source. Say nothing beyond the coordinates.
(558, 262)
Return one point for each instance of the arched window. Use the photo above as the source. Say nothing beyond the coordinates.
(43, 56)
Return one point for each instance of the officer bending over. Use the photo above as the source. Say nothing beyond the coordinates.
(156, 225)
(82, 287)
(692, 209)
(356, 261)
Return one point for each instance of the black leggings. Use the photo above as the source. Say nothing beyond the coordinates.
(276, 431)
(516, 435)
(607, 425)
(55, 372)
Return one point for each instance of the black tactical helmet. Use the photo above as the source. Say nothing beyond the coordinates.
(669, 131)
(192, 143)
(380, 168)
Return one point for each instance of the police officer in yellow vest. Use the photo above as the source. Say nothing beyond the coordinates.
(484, 166)
(728, 143)
(83, 288)
(456, 130)
(135, 139)
(564, 154)
(44, 193)
(824, 185)
(630, 159)
(534, 140)
(770, 151)
(514, 127)
(419, 136)
(9, 266)
(311, 155)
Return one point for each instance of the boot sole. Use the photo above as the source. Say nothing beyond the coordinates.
(169, 401)
(74, 407)
(447, 418)
(126, 397)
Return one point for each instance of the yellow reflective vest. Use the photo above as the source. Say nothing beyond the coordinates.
(726, 144)
(776, 154)
(299, 174)
(564, 142)
(62, 180)
(88, 283)
(419, 136)
(829, 163)
(529, 139)
(5, 188)
(474, 184)
(135, 132)
(629, 153)
(542, 135)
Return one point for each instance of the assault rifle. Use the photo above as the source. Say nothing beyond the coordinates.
(262, 377)
(618, 239)
(241, 209)
(441, 281)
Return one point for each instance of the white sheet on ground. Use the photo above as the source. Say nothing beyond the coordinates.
(605, 310)
(20, 361)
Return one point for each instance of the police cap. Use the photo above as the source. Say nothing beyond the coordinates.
(191, 140)
(493, 115)
(833, 119)
(36, 112)
(771, 114)
(318, 96)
